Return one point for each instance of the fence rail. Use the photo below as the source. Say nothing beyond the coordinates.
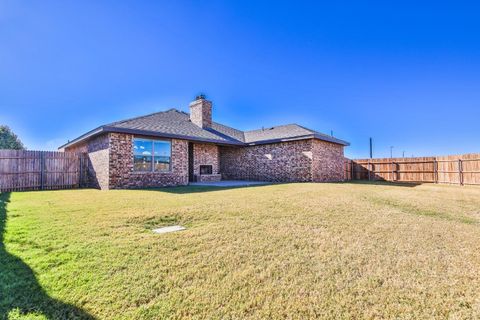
(41, 170)
(458, 169)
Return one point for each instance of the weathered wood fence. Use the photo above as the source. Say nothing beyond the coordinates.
(458, 169)
(41, 170)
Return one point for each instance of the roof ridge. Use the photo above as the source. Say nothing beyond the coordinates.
(318, 132)
(224, 125)
(303, 127)
(322, 134)
(280, 125)
(176, 110)
(230, 127)
(221, 135)
(144, 116)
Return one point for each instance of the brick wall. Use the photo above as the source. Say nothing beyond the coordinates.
(279, 162)
(98, 160)
(205, 154)
(293, 161)
(328, 161)
(201, 113)
(121, 165)
(111, 162)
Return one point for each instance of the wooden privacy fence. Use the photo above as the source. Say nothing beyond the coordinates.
(41, 170)
(459, 169)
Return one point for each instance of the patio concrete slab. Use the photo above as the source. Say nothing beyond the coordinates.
(229, 183)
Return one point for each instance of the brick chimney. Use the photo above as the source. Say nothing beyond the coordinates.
(201, 112)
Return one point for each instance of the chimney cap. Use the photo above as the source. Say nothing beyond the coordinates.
(201, 96)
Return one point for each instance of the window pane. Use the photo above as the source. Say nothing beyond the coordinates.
(142, 147)
(162, 155)
(142, 155)
(142, 163)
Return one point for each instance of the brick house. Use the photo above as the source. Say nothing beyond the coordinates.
(173, 148)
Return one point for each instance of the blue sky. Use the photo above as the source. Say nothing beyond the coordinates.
(406, 73)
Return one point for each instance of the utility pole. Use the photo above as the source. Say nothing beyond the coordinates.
(391, 152)
(371, 148)
(403, 154)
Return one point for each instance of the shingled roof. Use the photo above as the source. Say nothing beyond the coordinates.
(286, 132)
(176, 124)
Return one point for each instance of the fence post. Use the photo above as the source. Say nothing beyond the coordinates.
(396, 171)
(42, 170)
(369, 170)
(435, 171)
(17, 171)
(391, 166)
(460, 172)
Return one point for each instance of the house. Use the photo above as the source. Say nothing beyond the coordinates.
(173, 148)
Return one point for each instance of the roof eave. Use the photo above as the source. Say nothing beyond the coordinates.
(83, 137)
(270, 141)
(107, 129)
(169, 135)
(303, 137)
(332, 140)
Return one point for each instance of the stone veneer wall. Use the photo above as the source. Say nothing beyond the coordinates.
(98, 159)
(280, 162)
(328, 161)
(293, 161)
(122, 175)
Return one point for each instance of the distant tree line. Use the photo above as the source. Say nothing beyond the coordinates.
(9, 140)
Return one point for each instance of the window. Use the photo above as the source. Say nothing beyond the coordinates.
(161, 151)
(151, 155)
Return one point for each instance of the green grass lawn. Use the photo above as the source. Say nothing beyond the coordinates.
(352, 250)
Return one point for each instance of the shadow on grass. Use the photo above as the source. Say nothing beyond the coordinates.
(20, 292)
(198, 189)
(385, 183)
(205, 188)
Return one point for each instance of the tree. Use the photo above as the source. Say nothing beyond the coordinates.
(9, 140)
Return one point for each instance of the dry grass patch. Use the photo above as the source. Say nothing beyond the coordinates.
(281, 251)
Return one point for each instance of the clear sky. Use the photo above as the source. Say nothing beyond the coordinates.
(406, 73)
